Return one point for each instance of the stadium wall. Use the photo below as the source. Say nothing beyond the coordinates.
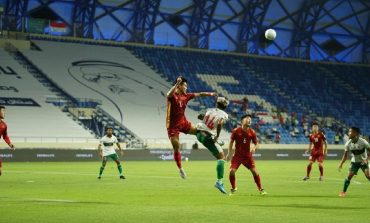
(52, 155)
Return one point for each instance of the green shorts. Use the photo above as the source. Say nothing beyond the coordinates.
(207, 141)
(354, 167)
(113, 157)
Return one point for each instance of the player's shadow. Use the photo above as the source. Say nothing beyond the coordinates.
(39, 201)
(309, 206)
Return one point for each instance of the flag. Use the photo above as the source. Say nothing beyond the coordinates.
(58, 28)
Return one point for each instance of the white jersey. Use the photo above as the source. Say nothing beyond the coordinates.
(358, 149)
(211, 119)
(107, 145)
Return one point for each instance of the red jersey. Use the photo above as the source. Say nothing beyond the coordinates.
(243, 140)
(176, 106)
(318, 141)
(3, 132)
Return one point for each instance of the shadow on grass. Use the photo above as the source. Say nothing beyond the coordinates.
(310, 206)
(334, 200)
(51, 201)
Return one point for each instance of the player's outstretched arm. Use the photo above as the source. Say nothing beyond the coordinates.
(120, 149)
(218, 131)
(100, 152)
(344, 158)
(229, 151)
(205, 94)
(12, 147)
(7, 140)
(256, 147)
(309, 148)
(172, 90)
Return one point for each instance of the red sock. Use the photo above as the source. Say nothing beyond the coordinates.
(321, 170)
(257, 179)
(177, 158)
(309, 167)
(232, 181)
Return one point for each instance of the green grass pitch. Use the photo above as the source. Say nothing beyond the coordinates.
(154, 192)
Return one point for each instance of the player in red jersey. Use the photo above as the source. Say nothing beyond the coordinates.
(318, 152)
(3, 133)
(176, 122)
(243, 136)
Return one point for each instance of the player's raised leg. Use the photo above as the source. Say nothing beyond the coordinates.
(193, 129)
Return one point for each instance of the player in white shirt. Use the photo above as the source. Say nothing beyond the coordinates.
(360, 150)
(209, 131)
(106, 150)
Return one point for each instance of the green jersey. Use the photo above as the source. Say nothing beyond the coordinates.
(108, 145)
(358, 149)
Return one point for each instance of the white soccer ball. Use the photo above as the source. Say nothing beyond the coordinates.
(270, 34)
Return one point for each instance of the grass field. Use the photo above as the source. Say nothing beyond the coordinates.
(153, 192)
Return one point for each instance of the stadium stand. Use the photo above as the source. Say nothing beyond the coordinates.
(33, 118)
(300, 92)
(284, 96)
(130, 92)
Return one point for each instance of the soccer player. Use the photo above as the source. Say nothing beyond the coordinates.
(360, 150)
(4, 133)
(108, 151)
(176, 122)
(208, 133)
(243, 136)
(318, 152)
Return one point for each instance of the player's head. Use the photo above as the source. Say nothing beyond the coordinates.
(353, 132)
(2, 112)
(109, 131)
(222, 103)
(183, 86)
(315, 127)
(246, 120)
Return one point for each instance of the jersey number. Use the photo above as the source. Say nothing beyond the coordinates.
(209, 122)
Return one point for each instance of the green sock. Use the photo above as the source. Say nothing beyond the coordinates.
(220, 169)
(101, 171)
(120, 169)
(346, 184)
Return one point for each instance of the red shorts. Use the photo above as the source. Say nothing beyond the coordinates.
(183, 127)
(316, 156)
(246, 161)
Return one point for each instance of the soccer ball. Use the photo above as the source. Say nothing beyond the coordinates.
(270, 34)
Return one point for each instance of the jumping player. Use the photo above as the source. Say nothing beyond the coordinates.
(176, 122)
(319, 151)
(208, 134)
(360, 150)
(243, 136)
(108, 151)
(4, 133)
